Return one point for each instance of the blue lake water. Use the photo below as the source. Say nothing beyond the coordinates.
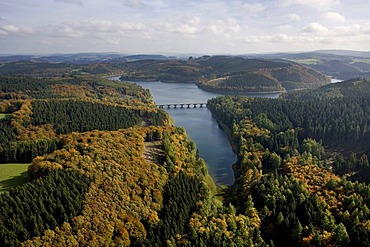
(202, 128)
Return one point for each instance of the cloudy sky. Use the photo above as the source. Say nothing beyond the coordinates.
(183, 26)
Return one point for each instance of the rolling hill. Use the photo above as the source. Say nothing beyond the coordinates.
(348, 88)
(228, 73)
(248, 73)
(340, 64)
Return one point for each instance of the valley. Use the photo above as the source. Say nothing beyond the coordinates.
(108, 167)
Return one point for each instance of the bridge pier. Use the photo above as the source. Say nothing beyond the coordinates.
(182, 105)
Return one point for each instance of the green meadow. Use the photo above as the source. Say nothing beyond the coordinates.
(12, 175)
(3, 115)
(308, 61)
(361, 60)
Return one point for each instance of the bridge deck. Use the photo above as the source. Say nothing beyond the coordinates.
(182, 105)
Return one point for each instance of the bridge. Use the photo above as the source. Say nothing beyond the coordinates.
(183, 105)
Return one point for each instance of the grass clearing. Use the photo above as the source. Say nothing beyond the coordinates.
(307, 61)
(361, 60)
(12, 175)
(3, 115)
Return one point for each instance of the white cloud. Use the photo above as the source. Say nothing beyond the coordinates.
(285, 28)
(94, 28)
(215, 29)
(352, 30)
(10, 28)
(297, 40)
(315, 28)
(63, 30)
(333, 16)
(93, 25)
(193, 20)
(366, 28)
(185, 26)
(224, 28)
(294, 17)
(254, 7)
(281, 37)
(7, 29)
(233, 25)
(218, 26)
(317, 4)
(129, 27)
(257, 39)
(290, 42)
(187, 29)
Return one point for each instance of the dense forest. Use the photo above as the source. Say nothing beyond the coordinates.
(349, 88)
(243, 82)
(38, 110)
(30, 209)
(132, 201)
(303, 163)
(107, 168)
(142, 185)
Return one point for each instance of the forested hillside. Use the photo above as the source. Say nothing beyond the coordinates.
(349, 88)
(142, 185)
(228, 74)
(297, 162)
(169, 203)
(107, 168)
(38, 110)
(340, 64)
(129, 200)
(213, 73)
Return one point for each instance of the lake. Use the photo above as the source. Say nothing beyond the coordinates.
(201, 127)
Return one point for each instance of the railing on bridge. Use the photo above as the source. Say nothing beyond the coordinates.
(183, 105)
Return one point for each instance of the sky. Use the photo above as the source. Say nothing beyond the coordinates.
(183, 26)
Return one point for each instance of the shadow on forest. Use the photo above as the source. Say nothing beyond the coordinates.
(12, 182)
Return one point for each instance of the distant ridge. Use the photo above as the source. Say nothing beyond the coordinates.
(349, 88)
(82, 58)
(340, 64)
(345, 53)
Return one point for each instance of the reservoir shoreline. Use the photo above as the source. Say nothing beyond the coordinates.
(210, 135)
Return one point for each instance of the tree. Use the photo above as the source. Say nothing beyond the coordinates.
(297, 230)
(339, 165)
(313, 147)
(340, 236)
